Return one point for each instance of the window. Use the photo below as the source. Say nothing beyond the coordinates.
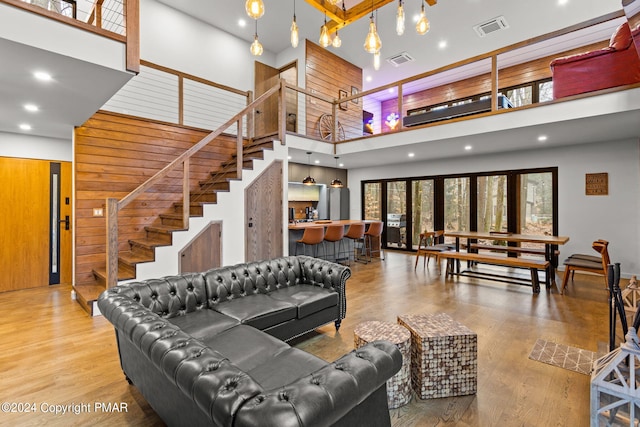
(422, 209)
(372, 195)
(456, 204)
(515, 201)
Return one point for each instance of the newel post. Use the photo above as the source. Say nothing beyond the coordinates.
(282, 112)
(112, 242)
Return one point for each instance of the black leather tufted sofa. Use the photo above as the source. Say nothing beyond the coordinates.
(207, 348)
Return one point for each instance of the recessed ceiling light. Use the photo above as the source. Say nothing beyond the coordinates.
(31, 107)
(562, 2)
(242, 23)
(369, 78)
(542, 138)
(25, 126)
(412, 154)
(341, 165)
(442, 44)
(317, 162)
(468, 147)
(42, 76)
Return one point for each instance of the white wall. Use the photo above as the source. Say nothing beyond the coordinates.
(35, 147)
(176, 40)
(582, 218)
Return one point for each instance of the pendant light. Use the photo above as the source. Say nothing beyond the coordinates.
(254, 8)
(336, 183)
(400, 19)
(325, 40)
(372, 43)
(256, 47)
(309, 180)
(422, 27)
(294, 28)
(337, 42)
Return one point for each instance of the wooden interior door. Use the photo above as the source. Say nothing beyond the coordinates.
(27, 224)
(264, 215)
(204, 251)
(266, 118)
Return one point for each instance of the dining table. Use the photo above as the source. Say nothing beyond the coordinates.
(550, 243)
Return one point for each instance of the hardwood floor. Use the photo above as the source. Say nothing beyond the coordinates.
(54, 354)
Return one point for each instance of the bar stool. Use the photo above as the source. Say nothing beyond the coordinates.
(374, 231)
(334, 233)
(312, 236)
(356, 233)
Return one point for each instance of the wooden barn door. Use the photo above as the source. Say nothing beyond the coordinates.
(263, 215)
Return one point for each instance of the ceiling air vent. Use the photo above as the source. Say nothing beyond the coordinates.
(491, 26)
(399, 59)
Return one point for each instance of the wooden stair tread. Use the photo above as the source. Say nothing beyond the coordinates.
(160, 228)
(123, 274)
(132, 258)
(148, 243)
(171, 215)
(89, 292)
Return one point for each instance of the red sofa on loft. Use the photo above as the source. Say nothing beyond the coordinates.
(616, 65)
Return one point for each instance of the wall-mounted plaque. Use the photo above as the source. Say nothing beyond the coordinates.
(597, 184)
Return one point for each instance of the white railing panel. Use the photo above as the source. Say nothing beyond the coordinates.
(209, 107)
(152, 94)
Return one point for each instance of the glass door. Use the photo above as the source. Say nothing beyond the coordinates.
(372, 196)
(422, 209)
(396, 225)
(456, 205)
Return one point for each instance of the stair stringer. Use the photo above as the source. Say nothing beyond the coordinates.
(229, 210)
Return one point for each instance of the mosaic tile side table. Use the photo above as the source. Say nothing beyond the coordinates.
(444, 356)
(398, 386)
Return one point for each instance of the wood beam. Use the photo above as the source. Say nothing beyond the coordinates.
(339, 18)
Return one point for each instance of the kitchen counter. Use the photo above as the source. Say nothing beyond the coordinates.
(296, 230)
(324, 223)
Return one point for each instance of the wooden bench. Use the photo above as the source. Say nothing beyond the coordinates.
(512, 249)
(532, 264)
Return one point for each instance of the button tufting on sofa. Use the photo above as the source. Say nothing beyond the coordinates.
(204, 354)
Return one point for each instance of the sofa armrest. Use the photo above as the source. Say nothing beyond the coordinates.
(325, 396)
(328, 275)
(217, 386)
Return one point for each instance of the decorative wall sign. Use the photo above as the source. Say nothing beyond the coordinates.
(354, 91)
(342, 94)
(597, 184)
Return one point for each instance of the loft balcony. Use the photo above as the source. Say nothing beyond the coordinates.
(89, 54)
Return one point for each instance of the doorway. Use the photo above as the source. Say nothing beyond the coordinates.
(36, 224)
(266, 118)
(264, 215)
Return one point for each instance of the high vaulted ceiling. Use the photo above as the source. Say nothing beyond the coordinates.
(452, 21)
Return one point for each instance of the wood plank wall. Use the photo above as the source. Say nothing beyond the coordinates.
(507, 77)
(114, 154)
(327, 73)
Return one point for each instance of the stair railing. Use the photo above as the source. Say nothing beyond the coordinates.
(113, 205)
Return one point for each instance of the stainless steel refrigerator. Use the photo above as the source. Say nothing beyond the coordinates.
(338, 203)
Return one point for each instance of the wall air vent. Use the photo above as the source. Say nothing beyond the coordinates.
(491, 26)
(399, 59)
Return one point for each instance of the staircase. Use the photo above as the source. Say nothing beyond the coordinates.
(160, 233)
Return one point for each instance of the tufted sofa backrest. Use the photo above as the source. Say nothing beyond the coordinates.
(224, 284)
(169, 296)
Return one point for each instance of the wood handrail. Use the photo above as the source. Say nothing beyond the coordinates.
(193, 150)
(113, 206)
